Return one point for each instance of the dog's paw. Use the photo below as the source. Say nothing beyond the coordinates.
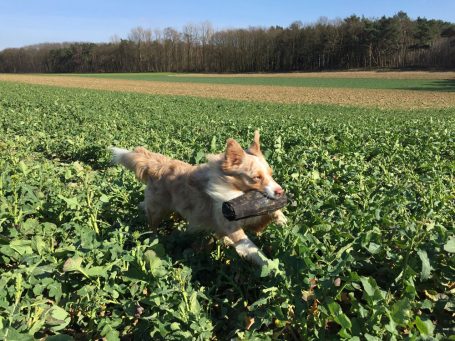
(279, 218)
(227, 241)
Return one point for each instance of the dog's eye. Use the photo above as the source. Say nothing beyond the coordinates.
(257, 178)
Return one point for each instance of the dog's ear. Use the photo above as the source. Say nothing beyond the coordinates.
(234, 154)
(255, 147)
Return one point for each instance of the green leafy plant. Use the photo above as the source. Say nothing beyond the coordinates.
(368, 252)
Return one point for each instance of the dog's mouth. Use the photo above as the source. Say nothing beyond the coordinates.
(274, 196)
(273, 191)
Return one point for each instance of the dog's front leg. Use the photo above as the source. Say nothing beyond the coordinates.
(246, 248)
(279, 218)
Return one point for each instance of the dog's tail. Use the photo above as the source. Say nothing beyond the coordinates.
(137, 161)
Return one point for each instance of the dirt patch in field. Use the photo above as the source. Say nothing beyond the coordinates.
(262, 93)
(336, 74)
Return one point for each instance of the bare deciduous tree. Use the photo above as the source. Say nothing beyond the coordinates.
(354, 42)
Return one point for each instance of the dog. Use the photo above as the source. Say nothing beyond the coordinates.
(197, 192)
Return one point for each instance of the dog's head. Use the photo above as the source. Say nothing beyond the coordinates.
(248, 170)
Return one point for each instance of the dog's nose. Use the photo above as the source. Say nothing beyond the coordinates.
(279, 191)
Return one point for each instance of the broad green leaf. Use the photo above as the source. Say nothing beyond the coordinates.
(23, 247)
(154, 262)
(57, 318)
(426, 267)
(39, 245)
(199, 156)
(109, 332)
(344, 321)
(96, 271)
(374, 248)
(58, 313)
(10, 252)
(339, 316)
(450, 245)
(55, 290)
(425, 327)
(213, 144)
(72, 203)
(346, 248)
(195, 308)
(29, 226)
(370, 337)
(377, 214)
(401, 311)
(11, 334)
(23, 167)
(367, 286)
(88, 238)
(272, 266)
(73, 264)
(175, 326)
(315, 175)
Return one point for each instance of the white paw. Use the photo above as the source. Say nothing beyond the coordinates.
(280, 218)
(227, 241)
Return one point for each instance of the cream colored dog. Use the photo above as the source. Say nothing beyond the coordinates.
(197, 192)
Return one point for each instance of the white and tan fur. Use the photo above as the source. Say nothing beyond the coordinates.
(196, 192)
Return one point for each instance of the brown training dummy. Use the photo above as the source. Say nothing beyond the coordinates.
(251, 204)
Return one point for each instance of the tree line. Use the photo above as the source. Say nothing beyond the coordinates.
(354, 42)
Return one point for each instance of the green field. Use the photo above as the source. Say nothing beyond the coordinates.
(368, 253)
(447, 85)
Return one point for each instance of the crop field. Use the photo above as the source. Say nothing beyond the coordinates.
(421, 82)
(367, 254)
(387, 90)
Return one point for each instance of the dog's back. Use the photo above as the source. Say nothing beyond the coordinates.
(146, 164)
(172, 186)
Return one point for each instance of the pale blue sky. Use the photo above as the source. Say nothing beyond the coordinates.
(25, 22)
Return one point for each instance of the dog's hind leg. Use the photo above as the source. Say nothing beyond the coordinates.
(155, 204)
(155, 213)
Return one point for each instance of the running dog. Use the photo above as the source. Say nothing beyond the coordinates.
(197, 192)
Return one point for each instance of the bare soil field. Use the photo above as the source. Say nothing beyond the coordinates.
(381, 98)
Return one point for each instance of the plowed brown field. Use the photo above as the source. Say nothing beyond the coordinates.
(278, 94)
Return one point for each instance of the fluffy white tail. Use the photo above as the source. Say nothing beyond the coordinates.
(142, 162)
(117, 154)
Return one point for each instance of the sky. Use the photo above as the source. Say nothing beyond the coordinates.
(26, 22)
